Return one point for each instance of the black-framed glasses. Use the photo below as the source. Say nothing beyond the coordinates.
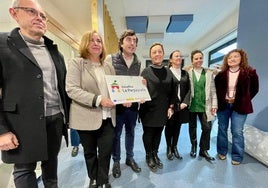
(33, 12)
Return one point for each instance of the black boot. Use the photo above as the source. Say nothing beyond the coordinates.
(150, 162)
(169, 153)
(204, 153)
(93, 183)
(193, 149)
(176, 153)
(192, 134)
(157, 161)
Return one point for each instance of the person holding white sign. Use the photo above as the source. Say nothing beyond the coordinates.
(125, 62)
(92, 111)
(155, 113)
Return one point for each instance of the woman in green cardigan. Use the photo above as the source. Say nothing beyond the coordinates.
(203, 104)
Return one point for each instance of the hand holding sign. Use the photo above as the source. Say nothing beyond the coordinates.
(127, 89)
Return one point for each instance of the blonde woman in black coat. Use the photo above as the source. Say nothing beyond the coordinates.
(181, 111)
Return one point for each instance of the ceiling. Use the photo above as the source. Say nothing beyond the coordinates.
(211, 19)
(208, 15)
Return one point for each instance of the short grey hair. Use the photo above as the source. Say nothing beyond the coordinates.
(15, 3)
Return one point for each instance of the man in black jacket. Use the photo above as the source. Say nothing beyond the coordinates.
(126, 63)
(34, 105)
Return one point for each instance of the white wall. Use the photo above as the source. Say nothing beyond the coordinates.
(7, 24)
(67, 51)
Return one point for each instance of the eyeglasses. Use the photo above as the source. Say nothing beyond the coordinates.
(33, 12)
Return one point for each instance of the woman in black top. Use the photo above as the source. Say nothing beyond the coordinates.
(154, 113)
(181, 113)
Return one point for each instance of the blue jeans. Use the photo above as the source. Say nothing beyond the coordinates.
(237, 129)
(75, 139)
(127, 118)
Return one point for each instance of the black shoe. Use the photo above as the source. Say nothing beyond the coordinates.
(204, 153)
(75, 151)
(93, 184)
(157, 161)
(150, 162)
(134, 166)
(116, 170)
(176, 153)
(107, 185)
(169, 153)
(193, 151)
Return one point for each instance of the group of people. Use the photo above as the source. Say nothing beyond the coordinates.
(37, 93)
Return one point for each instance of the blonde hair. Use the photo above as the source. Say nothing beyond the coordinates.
(83, 48)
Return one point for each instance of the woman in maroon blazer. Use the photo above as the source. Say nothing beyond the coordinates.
(236, 85)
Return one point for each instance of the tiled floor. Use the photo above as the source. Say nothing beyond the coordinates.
(185, 173)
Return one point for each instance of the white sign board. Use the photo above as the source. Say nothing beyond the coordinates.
(126, 89)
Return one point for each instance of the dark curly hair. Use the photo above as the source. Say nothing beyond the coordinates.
(126, 33)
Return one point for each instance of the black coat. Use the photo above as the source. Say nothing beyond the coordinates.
(22, 103)
(162, 92)
(185, 94)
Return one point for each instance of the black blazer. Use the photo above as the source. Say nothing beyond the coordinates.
(22, 103)
(185, 94)
(162, 92)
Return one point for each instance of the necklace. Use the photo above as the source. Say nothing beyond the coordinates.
(234, 71)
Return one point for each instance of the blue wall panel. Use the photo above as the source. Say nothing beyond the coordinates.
(253, 37)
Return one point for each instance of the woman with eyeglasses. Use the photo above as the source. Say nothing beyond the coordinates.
(92, 112)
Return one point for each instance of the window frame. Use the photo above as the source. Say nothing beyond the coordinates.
(220, 58)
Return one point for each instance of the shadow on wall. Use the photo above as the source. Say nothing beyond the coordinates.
(261, 120)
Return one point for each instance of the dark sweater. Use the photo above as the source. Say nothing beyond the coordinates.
(161, 86)
(121, 68)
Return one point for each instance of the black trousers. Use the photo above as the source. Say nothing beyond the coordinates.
(24, 174)
(151, 138)
(205, 126)
(172, 130)
(98, 146)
